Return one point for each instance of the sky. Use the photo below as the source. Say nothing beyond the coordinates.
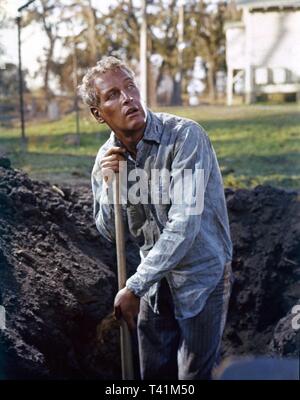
(31, 39)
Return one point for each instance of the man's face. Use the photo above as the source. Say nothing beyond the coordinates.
(120, 103)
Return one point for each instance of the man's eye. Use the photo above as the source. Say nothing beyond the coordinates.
(112, 95)
(131, 86)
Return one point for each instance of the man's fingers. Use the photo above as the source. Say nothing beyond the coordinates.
(113, 157)
(117, 312)
(111, 162)
(126, 306)
(128, 318)
(110, 165)
(114, 150)
(130, 322)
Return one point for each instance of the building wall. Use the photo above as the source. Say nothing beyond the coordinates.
(235, 47)
(275, 40)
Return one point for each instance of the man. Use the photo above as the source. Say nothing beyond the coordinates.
(181, 288)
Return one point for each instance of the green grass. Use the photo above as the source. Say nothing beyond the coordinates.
(257, 144)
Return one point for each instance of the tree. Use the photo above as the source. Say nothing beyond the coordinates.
(9, 81)
(205, 36)
(92, 34)
(79, 20)
(114, 33)
(46, 12)
(163, 20)
(3, 25)
(121, 27)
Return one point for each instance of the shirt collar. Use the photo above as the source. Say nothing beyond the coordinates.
(153, 129)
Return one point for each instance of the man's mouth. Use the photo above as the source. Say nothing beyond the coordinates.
(131, 111)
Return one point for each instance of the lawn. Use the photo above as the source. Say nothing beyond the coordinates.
(257, 144)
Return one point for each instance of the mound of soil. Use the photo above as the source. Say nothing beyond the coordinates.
(58, 279)
(57, 282)
(265, 229)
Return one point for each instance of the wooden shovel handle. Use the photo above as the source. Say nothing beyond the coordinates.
(126, 349)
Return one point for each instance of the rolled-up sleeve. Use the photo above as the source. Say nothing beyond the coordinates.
(193, 152)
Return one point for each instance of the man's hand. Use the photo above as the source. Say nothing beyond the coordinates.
(127, 306)
(110, 161)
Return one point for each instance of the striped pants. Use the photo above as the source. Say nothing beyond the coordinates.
(187, 349)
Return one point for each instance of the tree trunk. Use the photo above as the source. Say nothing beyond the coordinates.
(152, 86)
(91, 32)
(176, 98)
(212, 81)
(47, 69)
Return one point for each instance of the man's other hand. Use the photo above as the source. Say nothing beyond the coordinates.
(127, 306)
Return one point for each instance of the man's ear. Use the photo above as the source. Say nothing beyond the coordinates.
(97, 115)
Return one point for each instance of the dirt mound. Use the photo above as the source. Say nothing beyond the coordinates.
(265, 229)
(58, 279)
(57, 282)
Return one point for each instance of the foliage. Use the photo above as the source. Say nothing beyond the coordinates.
(46, 13)
(86, 34)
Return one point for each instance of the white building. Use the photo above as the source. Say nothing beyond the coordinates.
(264, 48)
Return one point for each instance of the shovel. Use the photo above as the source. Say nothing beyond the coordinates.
(126, 350)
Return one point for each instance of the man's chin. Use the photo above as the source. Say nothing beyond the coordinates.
(136, 122)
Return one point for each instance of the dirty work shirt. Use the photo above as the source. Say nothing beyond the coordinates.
(189, 250)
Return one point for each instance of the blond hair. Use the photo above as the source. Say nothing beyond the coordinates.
(87, 89)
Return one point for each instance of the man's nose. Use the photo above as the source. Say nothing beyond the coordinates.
(126, 97)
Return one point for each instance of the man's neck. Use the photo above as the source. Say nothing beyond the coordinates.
(130, 142)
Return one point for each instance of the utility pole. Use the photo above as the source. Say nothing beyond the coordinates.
(21, 85)
(143, 53)
(75, 82)
(181, 45)
(21, 98)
